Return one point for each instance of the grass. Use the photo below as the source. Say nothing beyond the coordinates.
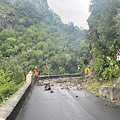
(94, 85)
(110, 83)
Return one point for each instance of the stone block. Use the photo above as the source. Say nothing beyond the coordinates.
(117, 85)
(115, 93)
(111, 92)
(105, 91)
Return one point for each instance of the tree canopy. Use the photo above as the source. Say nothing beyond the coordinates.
(30, 34)
(104, 27)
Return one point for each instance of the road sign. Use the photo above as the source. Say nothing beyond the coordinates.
(47, 59)
(118, 55)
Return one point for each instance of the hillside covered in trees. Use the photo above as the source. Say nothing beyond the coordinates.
(30, 33)
(104, 35)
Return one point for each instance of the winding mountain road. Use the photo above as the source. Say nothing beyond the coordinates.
(65, 104)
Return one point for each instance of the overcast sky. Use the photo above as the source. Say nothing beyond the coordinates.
(76, 11)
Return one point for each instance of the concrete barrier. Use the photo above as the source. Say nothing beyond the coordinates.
(11, 108)
(110, 92)
(115, 93)
(59, 76)
(105, 91)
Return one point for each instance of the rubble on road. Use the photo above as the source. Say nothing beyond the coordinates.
(63, 83)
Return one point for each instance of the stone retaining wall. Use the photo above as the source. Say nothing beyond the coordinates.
(105, 91)
(110, 92)
(10, 109)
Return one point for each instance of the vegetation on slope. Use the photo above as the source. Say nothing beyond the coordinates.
(30, 34)
(104, 35)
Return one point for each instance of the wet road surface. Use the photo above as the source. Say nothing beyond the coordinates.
(66, 105)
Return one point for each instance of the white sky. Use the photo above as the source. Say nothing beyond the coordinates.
(76, 11)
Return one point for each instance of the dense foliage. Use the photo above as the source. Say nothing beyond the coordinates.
(9, 83)
(30, 34)
(104, 23)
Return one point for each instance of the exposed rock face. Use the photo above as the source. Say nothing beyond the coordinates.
(13, 1)
(5, 17)
(3, 21)
(44, 3)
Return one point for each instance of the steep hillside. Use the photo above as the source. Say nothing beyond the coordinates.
(30, 33)
(13, 11)
(35, 33)
(104, 28)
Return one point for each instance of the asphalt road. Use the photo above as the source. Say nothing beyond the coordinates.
(66, 105)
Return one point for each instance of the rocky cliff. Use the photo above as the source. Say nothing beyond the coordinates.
(44, 3)
(8, 15)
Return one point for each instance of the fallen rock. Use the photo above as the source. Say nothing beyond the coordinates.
(78, 87)
(51, 91)
(97, 95)
(47, 86)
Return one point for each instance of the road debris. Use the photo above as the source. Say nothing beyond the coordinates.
(47, 86)
(51, 91)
